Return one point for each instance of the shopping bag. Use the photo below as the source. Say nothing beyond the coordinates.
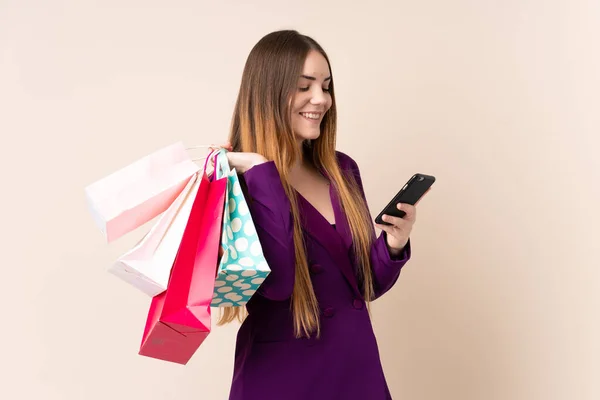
(147, 266)
(137, 193)
(179, 319)
(242, 267)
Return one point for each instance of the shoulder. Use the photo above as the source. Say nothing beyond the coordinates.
(346, 162)
(350, 170)
(349, 167)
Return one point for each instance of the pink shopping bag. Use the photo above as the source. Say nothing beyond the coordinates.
(179, 319)
(137, 193)
(147, 266)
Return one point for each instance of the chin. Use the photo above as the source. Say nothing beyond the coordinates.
(310, 135)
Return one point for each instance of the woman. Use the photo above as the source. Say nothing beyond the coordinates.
(308, 333)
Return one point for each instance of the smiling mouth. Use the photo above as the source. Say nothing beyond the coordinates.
(311, 116)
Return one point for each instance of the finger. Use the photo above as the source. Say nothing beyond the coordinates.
(214, 147)
(225, 145)
(389, 229)
(409, 210)
(396, 222)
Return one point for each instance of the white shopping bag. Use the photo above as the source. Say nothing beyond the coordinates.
(147, 266)
(132, 196)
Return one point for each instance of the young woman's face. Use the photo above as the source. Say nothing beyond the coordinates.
(312, 98)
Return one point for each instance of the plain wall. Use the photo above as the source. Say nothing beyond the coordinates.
(498, 99)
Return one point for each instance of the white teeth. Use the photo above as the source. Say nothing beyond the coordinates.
(311, 115)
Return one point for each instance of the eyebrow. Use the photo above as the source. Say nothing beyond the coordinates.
(312, 78)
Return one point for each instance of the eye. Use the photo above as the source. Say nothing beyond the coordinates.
(306, 89)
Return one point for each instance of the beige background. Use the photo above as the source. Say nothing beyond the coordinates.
(498, 99)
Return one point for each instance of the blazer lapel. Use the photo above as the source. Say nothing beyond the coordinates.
(341, 221)
(338, 241)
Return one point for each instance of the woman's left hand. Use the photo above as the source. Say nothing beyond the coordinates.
(399, 230)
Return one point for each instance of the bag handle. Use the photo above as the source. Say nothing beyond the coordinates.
(208, 157)
(219, 161)
(222, 164)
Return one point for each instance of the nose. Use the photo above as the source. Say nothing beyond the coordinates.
(318, 97)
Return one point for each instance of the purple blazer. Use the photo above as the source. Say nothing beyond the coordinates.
(270, 364)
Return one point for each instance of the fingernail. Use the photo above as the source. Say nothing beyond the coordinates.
(399, 206)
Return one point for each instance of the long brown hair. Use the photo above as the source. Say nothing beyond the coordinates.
(262, 124)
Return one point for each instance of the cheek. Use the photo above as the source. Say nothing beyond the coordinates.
(297, 119)
(298, 103)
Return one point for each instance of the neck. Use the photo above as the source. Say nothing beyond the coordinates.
(300, 162)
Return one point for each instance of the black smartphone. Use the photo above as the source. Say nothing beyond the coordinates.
(410, 193)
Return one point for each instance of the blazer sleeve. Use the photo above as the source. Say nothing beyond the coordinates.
(386, 269)
(271, 214)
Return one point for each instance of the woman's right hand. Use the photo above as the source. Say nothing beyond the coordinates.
(241, 161)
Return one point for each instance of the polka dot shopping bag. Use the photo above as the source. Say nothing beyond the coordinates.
(242, 267)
